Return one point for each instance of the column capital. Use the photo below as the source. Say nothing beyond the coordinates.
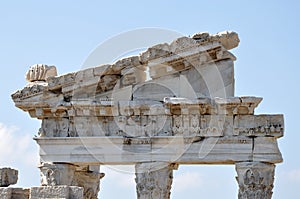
(255, 180)
(154, 180)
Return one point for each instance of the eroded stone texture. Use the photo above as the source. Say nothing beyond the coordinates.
(90, 181)
(40, 72)
(8, 177)
(14, 193)
(183, 54)
(57, 174)
(255, 180)
(259, 125)
(154, 180)
(5, 193)
(228, 39)
(61, 192)
(60, 174)
(20, 193)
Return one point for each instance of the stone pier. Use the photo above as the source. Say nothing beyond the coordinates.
(172, 104)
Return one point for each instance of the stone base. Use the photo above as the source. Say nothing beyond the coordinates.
(20, 193)
(61, 192)
(5, 193)
(14, 193)
(65, 174)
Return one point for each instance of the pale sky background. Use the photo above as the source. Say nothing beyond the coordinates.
(64, 33)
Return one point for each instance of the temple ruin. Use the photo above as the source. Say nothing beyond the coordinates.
(173, 104)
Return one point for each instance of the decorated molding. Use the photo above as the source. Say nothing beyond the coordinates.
(62, 107)
(259, 125)
(163, 125)
(210, 106)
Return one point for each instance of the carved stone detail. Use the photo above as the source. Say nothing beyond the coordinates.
(56, 128)
(57, 174)
(40, 72)
(212, 125)
(198, 125)
(260, 125)
(90, 181)
(67, 174)
(194, 127)
(31, 90)
(255, 180)
(177, 124)
(154, 180)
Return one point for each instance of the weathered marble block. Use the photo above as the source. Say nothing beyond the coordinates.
(259, 125)
(5, 193)
(40, 72)
(20, 193)
(14, 193)
(57, 174)
(60, 192)
(8, 177)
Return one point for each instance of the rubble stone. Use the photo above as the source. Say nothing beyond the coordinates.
(8, 177)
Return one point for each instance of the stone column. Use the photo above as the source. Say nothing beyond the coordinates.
(255, 180)
(53, 174)
(89, 179)
(56, 181)
(64, 174)
(154, 180)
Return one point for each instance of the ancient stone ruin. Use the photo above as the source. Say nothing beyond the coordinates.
(173, 104)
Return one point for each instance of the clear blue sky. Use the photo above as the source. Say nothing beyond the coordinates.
(63, 33)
